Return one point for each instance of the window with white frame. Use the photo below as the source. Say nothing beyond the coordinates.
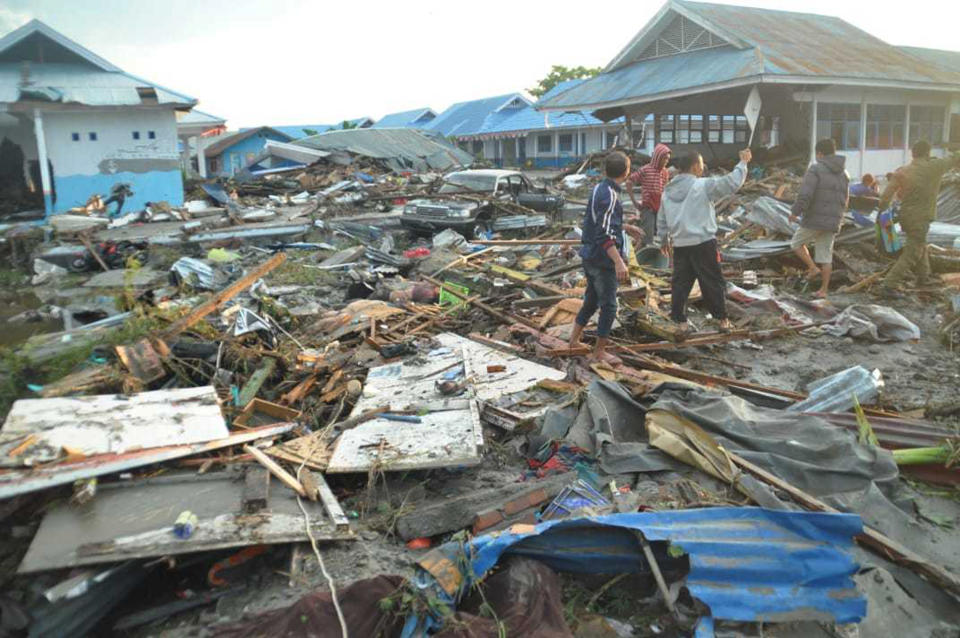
(926, 123)
(566, 143)
(544, 143)
(885, 126)
(841, 123)
(713, 128)
(665, 128)
(477, 147)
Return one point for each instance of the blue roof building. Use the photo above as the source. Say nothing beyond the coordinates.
(694, 65)
(82, 126)
(508, 130)
(416, 118)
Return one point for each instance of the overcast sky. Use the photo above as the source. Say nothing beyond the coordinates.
(312, 62)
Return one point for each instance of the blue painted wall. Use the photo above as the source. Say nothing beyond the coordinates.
(253, 144)
(155, 186)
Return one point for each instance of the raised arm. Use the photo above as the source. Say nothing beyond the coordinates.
(723, 185)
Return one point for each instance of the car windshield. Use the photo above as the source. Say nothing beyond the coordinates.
(468, 182)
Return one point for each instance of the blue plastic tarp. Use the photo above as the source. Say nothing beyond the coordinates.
(746, 563)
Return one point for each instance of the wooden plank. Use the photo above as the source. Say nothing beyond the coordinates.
(256, 381)
(142, 361)
(225, 295)
(285, 477)
(108, 423)
(883, 545)
(527, 242)
(508, 319)
(331, 504)
(256, 489)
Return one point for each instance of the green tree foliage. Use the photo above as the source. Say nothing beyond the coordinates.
(559, 73)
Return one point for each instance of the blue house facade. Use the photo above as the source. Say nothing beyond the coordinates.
(80, 126)
(228, 155)
(509, 131)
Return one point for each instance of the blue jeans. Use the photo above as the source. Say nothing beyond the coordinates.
(601, 293)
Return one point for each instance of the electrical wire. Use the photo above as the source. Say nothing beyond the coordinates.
(316, 551)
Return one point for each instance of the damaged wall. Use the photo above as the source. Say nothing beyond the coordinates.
(134, 146)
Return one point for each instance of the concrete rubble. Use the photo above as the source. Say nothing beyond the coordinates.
(215, 396)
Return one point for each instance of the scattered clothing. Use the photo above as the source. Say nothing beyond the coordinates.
(862, 190)
(822, 241)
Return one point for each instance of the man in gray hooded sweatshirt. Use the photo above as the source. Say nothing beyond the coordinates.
(688, 221)
(823, 196)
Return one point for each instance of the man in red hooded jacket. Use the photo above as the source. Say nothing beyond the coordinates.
(651, 177)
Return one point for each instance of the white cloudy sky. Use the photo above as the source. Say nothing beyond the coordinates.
(307, 62)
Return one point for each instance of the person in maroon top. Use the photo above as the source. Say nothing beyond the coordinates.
(651, 177)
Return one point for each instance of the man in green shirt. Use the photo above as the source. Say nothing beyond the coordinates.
(917, 185)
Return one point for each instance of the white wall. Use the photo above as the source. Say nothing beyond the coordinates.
(114, 138)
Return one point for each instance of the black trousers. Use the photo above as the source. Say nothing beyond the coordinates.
(697, 263)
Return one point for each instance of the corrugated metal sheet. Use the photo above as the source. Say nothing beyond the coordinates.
(401, 148)
(466, 118)
(746, 563)
(808, 44)
(947, 60)
(763, 43)
(224, 142)
(81, 85)
(415, 118)
(661, 75)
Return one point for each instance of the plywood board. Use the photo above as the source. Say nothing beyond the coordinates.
(135, 520)
(111, 423)
(449, 433)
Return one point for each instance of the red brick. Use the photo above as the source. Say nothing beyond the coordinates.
(528, 500)
(486, 520)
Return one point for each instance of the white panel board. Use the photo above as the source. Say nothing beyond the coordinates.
(112, 423)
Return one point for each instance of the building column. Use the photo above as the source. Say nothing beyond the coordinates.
(201, 158)
(863, 134)
(42, 159)
(946, 124)
(813, 129)
(906, 137)
(185, 154)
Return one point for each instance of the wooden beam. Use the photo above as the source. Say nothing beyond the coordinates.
(256, 381)
(527, 242)
(508, 319)
(224, 296)
(275, 469)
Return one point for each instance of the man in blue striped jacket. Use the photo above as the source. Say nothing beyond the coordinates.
(602, 252)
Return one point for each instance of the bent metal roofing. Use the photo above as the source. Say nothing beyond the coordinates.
(70, 73)
(752, 45)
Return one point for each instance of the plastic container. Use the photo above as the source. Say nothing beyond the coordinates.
(835, 393)
(185, 524)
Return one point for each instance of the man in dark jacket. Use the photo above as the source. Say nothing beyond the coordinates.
(602, 252)
(917, 185)
(820, 203)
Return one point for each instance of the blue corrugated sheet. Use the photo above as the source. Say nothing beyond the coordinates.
(416, 118)
(467, 118)
(746, 563)
(763, 43)
(299, 131)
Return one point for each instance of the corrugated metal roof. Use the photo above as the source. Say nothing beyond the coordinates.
(467, 118)
(73, 83)
(947, 60)
(808, 44)
(414, 118)
(400, 147)
(764, 44)
(85, 78)
(299, 131)
(194, 116)
(746, 563)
